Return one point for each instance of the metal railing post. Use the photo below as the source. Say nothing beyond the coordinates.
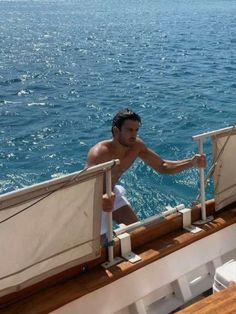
(202, 183)
(110, 231)
(110, 242)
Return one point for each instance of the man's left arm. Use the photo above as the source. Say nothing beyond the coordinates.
(168, 166)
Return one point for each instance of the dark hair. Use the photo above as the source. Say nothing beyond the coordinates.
(122, 116)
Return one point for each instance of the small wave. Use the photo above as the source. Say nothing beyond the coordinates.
(20, 79)
(24, 92)
(25, 77)
(11, 81)
(57, 175)
(230, 68)
(36, 104)
(8, 102)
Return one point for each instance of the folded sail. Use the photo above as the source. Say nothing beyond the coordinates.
(48, 228)
(224, 147)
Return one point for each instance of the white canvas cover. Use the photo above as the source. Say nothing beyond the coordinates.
(48, 228)
(225, 171)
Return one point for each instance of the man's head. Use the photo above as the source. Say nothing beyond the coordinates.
(125, 126)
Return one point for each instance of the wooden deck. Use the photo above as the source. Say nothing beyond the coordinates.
(151, 243)
(223, 302)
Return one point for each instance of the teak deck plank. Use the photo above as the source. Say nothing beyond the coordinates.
(223, 302)
(62, 293)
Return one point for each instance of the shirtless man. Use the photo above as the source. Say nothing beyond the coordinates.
(127, 147)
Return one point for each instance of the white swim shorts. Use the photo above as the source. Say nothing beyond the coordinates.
(120, 201)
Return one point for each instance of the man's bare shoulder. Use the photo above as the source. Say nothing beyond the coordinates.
(101, 147)
(140, 144)
(99, 153)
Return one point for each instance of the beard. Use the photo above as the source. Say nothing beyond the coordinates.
(127, 143)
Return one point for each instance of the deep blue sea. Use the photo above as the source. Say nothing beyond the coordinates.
(66, 67)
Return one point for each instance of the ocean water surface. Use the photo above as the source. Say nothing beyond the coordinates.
(66, 67)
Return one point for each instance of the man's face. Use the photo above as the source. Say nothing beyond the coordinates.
(127, 135)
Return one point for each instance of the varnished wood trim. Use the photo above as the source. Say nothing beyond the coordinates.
(151, 243)
(222, 302)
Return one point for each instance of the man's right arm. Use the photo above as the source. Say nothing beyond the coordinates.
(95, 157)
(91, 158)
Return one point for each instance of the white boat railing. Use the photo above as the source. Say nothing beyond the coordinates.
(202, 136)
(36, 190)
(110, 224)
(200, 139)
(156, 218)
(51, 227)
